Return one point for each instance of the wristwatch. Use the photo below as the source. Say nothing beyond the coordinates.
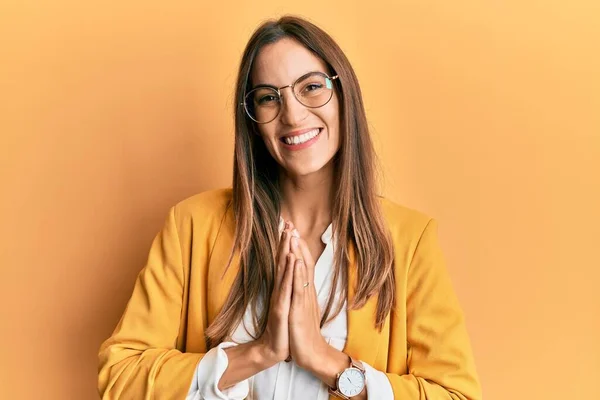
(350, 382)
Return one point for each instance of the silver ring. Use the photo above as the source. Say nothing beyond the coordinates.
(306, 284)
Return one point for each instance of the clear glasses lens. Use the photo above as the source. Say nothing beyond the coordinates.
(313, 90)
(263, 104)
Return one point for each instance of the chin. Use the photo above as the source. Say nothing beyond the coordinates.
(307, 169)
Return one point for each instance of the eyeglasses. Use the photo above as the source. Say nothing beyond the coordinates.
(313, 90)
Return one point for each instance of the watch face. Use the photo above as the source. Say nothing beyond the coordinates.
(351, 382)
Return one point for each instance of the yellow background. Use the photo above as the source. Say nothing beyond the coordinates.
(486, 115)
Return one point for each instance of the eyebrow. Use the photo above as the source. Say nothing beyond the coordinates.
(270, 85)
(264, 85)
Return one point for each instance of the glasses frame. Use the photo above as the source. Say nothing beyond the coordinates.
(279, 89)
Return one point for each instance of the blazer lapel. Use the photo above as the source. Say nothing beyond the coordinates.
(221, 278)
(363, 338)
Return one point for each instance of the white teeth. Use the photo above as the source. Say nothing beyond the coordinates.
(305, 137)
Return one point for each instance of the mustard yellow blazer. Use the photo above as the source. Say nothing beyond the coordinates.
(153, 352)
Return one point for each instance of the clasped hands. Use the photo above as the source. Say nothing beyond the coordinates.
(293, 324)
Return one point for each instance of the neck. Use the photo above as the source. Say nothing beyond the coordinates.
(308, 200)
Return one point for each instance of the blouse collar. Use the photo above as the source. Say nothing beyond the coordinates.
(325, 237)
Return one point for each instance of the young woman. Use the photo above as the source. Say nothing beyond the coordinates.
(299, 282)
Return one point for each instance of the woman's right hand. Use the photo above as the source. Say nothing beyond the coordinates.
(275, 338)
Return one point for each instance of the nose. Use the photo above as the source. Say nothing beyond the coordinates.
(292, 111)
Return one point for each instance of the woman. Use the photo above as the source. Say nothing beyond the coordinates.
(300, 282)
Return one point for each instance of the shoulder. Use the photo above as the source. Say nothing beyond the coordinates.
(405, 224)
(216, 199)
(205, 207)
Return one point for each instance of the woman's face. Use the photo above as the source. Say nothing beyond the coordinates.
(280, 64)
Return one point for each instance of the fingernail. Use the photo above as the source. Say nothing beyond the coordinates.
(296, 233)
(294, 241)
(287, 225)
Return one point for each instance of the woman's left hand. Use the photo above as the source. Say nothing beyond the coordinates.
(306, 342)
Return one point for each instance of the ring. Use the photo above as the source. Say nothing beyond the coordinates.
(306, 284)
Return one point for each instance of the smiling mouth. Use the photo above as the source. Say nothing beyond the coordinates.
(300, 139)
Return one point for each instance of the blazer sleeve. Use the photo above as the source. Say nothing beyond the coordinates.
(139, 360)
(440, 360)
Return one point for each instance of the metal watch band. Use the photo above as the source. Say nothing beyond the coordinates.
(358, 365)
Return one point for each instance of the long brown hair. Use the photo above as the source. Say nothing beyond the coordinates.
(357, 218)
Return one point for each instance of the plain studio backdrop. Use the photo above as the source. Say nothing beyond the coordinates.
(485, 115)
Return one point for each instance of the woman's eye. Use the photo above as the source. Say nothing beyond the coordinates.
(267, 99)
(312, 87)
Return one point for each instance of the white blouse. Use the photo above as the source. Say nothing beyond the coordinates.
(284, 380)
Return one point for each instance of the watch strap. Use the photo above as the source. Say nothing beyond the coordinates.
(358, 365)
